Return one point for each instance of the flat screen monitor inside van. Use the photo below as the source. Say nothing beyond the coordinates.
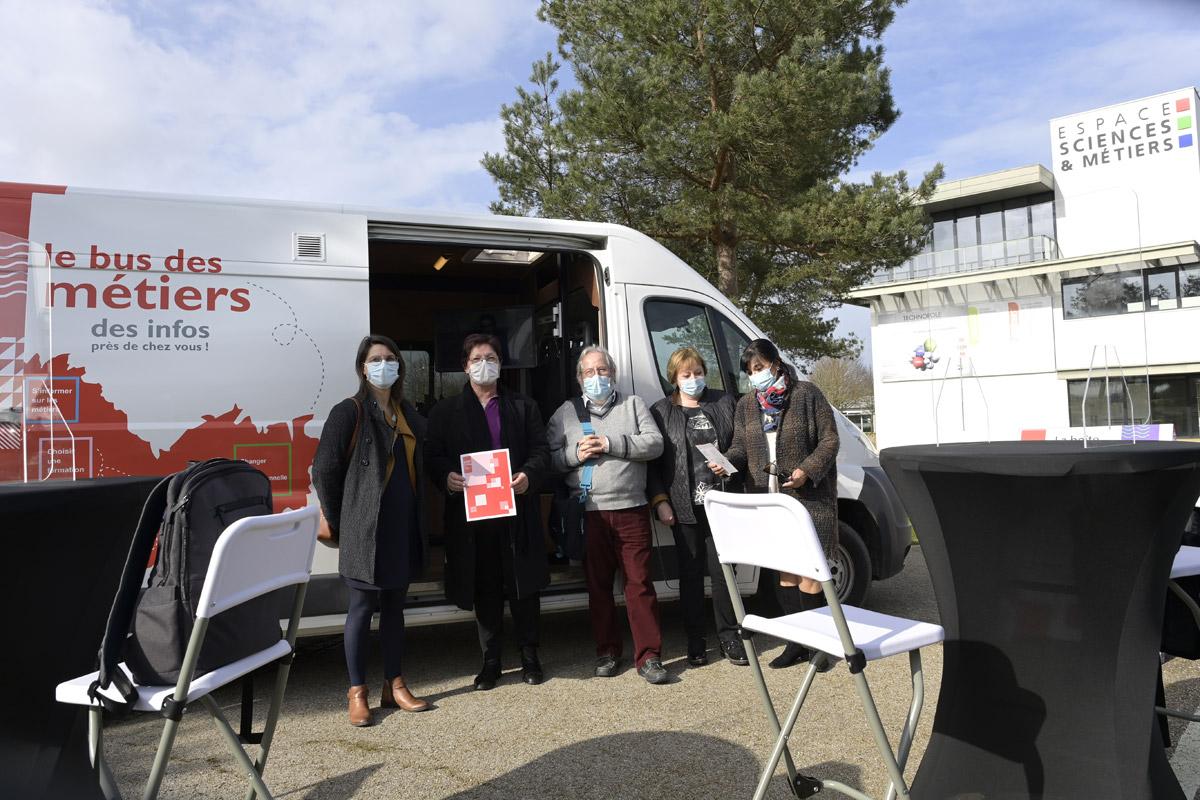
(513, 326)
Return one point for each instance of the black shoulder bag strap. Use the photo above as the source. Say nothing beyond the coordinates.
(120, 616)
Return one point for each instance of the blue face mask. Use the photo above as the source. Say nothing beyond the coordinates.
(597, 388)
(692, 387)
(383, 374)
(763, 379)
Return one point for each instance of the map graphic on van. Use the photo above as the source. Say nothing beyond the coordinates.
(75, 432)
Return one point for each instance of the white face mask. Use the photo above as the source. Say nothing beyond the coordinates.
(692, 387)
(484, 373)
(382, 374)
(762, 379)
(597, 388)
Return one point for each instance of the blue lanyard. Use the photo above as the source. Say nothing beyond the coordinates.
(585, 480)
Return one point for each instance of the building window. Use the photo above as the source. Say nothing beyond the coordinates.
(1189, 285)
(966, 228)
(1162, 289)
(1173, 400)
(1017, 249)
(1102, 295)
(1131, 290)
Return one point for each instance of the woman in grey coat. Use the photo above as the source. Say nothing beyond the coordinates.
(785, 439)
(368, 474)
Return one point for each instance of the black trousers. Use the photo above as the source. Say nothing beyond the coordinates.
(694, 549)
(490, 598)
(391, 631)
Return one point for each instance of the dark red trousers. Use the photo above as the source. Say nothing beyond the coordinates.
(621, 539)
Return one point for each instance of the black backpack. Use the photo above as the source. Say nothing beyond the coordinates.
(186, 512)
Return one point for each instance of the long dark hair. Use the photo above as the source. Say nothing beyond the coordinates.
(364, 388)
(764, 349)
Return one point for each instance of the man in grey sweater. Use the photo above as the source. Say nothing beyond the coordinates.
(603, 441)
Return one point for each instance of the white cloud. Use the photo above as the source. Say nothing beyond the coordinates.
(267, 98)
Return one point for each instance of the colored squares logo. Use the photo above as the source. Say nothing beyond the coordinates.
(1183, 104)
(1185, 122)
(1185, 140)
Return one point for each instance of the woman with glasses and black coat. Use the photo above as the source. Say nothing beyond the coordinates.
(490, 561)
(677, 481)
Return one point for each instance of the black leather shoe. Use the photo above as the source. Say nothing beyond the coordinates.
(792, 654)
(606, 666)
(697, 653)
(487, 677)
(652, 670)
(734, 652)
(531, 670)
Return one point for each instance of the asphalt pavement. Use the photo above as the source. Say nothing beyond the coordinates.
(575, 736)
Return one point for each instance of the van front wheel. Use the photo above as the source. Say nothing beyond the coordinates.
(851, 566)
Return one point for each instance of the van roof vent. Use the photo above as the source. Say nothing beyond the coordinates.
(308, 247)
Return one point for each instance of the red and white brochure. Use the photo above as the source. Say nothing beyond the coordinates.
(487, 485)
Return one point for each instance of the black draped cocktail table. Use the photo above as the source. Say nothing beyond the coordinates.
(1049, 562)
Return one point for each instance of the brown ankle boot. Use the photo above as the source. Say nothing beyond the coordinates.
(360, 712)
(397, 695)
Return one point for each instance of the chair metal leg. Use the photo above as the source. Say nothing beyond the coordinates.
(914, 715)
(881, 738)
(108, 783)
(281, 679)
(235, 747)
(268, 735)
(768, 705)
(161, 757)
(783, 733)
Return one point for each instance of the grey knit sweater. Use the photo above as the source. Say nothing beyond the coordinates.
(619, 479)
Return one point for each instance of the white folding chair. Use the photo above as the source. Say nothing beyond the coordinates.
(1185, 565)
(776, 532)
(253, 556)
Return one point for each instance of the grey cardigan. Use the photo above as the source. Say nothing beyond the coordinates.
(350, 489)
(619, 480)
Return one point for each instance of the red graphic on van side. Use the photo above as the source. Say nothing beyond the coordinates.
(72, 430)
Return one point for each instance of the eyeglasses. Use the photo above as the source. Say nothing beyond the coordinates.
(593, 371)
(377, 359)
(482, 359)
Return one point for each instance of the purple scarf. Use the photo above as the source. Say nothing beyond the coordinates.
(773, 401)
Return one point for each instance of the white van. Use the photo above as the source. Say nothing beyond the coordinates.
(140, 331)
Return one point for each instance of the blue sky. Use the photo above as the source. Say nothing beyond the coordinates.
(392, 103)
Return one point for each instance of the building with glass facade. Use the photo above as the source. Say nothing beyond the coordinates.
(1052, 302)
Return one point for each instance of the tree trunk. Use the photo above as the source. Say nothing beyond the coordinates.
(727, 277)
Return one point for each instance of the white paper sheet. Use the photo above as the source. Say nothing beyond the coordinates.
(711, 453)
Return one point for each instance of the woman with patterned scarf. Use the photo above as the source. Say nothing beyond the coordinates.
(785, 439)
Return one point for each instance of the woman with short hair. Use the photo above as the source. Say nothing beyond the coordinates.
(692, 415)
(368, 474)
(785, 439)
(490, 561)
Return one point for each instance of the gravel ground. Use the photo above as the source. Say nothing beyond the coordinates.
(575, 736)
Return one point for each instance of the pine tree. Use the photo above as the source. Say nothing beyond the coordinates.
(722, 128)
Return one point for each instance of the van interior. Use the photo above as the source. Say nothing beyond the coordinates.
(544, 306)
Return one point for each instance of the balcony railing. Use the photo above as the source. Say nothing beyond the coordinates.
(971, 259)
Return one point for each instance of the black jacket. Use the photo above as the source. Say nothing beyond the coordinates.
(457, 425)
(670, 474)
(350, 489)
